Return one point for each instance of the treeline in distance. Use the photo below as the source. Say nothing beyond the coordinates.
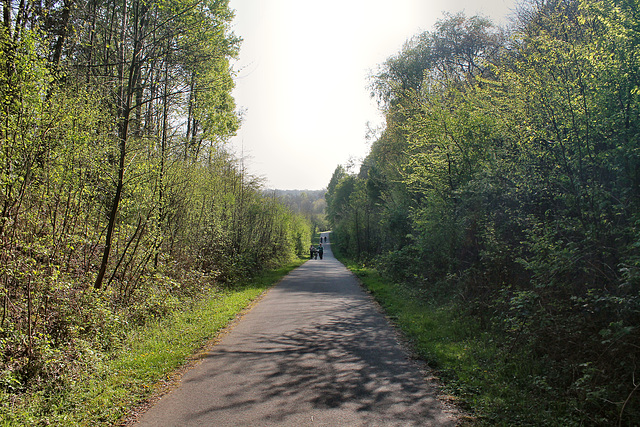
(308, 203)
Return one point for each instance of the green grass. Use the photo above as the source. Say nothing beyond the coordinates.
(104, 395)
(492, 385)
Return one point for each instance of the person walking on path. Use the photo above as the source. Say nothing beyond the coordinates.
(320, 250)
(315, 351)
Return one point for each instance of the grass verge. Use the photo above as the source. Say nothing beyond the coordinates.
(104, 394)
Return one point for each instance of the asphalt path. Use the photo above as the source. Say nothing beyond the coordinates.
(314, 351)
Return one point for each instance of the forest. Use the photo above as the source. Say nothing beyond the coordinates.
(505, 188)
(119, 199)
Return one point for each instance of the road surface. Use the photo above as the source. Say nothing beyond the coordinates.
(315, 351)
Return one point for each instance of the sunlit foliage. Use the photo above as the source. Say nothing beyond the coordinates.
(508, 170)
(118, 199)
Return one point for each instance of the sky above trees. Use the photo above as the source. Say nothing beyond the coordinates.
(302, 78)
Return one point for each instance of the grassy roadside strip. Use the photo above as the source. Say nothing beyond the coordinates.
(495, 387)
(150, 357)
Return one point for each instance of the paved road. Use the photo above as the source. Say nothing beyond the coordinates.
(314, 351)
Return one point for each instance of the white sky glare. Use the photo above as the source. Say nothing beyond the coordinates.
(303, 75)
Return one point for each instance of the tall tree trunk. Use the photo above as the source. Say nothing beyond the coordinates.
(126, 92)
(163, 151)
(62, 35)
(6, 16)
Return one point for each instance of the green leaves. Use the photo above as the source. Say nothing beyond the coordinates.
(116, 146)
(509, 172)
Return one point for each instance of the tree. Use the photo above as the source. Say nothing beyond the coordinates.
(508, 172)
(118, 198)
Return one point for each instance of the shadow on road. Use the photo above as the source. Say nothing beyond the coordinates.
(314, 351)
(327, 365)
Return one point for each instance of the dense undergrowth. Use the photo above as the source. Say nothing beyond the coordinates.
(105, 385)
(490, 380)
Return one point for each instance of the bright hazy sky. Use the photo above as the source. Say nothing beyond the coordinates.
(302, 80)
